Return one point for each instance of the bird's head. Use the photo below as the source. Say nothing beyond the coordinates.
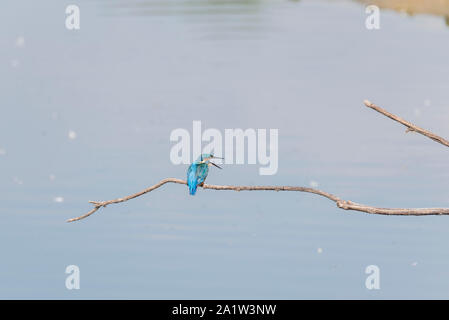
(206, 157)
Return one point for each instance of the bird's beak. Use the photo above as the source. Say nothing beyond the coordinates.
(216, 165)
(213, 157)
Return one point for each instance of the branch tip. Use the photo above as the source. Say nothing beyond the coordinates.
(367, 103)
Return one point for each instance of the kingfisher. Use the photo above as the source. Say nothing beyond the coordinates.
(197, 172)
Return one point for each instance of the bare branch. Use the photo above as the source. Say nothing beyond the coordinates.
(410, 126)
(342, 204)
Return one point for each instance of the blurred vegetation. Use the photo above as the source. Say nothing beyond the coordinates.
(412, 7)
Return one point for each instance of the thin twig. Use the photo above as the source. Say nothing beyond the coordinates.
(99, 204)
(410, 126)
(342, 204)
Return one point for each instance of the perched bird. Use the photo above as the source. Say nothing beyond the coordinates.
(197, 172)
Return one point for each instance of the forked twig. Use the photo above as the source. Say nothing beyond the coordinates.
(342, 204)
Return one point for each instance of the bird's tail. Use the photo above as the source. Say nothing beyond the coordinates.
(192, 188)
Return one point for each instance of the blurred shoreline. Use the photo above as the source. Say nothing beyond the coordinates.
(413, 7)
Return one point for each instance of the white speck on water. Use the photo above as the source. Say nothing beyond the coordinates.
(313, 184)
(319, 250)
(20, 42)
(414, 264)
(58, 199)
(417, 112)
(2, 152)
(15, 63)
(17, 181)
(72, 135)
(52, 177)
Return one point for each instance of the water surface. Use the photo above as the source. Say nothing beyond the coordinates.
(136, 70)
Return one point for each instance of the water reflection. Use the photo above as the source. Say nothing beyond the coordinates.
(248, 9)
(412, 7)
(217, 19)
(191, 7)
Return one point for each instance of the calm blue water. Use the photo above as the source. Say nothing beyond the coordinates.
(137, 70)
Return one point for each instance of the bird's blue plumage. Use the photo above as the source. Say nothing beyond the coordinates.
(197, 172)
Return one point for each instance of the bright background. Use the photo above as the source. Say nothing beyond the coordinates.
(136, 70)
